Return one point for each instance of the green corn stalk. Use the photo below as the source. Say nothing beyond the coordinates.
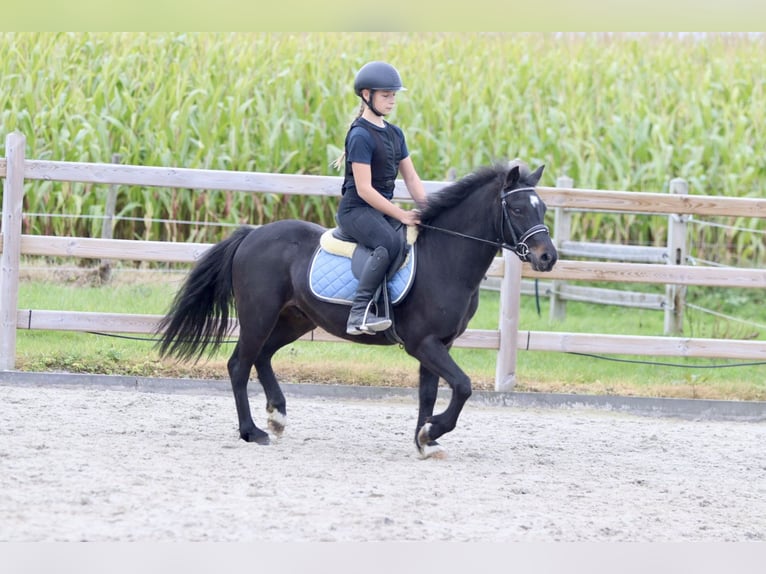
(611, 111)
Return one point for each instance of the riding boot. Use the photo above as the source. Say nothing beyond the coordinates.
(361, 319)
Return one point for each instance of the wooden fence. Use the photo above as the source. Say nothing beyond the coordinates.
(674, 253)
(507, 339)
(672, 303)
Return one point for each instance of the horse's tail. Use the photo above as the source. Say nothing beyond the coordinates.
(198, 318)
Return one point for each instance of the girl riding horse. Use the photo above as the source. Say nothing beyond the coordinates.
(375, 151)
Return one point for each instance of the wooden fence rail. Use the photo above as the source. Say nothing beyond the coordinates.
(673, 253)
(507, 339)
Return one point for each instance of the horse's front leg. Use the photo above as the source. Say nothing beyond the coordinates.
(427, 392)
(436, 362)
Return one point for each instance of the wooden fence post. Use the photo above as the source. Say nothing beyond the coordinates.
(510, 307)
(107, 227)
(562, 230)
(13, 197)
(675, 295)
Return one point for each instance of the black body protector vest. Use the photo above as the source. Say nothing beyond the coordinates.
(385, 160)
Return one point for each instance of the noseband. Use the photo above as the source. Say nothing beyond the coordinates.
(519, 244)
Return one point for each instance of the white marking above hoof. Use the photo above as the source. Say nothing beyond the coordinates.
(277, 422)
(423, 437)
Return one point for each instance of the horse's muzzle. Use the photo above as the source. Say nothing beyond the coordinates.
(542, 255)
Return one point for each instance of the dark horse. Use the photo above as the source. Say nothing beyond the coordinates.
(264, 271)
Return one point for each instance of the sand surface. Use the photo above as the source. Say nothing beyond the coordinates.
(124, 465)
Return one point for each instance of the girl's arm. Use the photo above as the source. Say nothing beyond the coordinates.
(363, 182)
(412, 181)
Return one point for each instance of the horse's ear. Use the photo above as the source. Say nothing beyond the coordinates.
(512, 177)
(537, 174)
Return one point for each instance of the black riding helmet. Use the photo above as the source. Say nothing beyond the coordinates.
(377, 76)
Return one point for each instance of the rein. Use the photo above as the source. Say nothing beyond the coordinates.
(519, 245)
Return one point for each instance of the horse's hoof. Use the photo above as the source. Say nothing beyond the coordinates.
(277, 422)
(433, 450)
(429, 448)
(259, 437)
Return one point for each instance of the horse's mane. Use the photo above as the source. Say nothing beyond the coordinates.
(456, 192)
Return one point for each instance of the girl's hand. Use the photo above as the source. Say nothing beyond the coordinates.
(410, 217)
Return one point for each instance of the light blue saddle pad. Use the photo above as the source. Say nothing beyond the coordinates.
(331, 279)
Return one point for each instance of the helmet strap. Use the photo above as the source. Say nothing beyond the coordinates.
(370, 105)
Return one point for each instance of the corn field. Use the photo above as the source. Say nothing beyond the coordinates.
(611, 111)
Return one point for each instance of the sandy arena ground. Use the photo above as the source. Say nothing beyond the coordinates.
(123, 465)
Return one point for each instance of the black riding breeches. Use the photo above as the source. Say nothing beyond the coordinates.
(372, 229)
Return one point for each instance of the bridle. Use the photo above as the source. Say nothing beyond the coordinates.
(519, 244)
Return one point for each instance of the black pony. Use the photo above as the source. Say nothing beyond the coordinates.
(264, 272)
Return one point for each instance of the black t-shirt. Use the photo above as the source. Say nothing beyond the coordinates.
(382, 149)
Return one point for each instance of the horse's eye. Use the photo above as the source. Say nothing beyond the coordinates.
(516, 211)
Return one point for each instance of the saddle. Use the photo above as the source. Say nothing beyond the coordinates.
(338, 262)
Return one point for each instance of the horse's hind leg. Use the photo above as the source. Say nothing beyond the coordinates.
(276, 405)
(291, 325)
(239, 367)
